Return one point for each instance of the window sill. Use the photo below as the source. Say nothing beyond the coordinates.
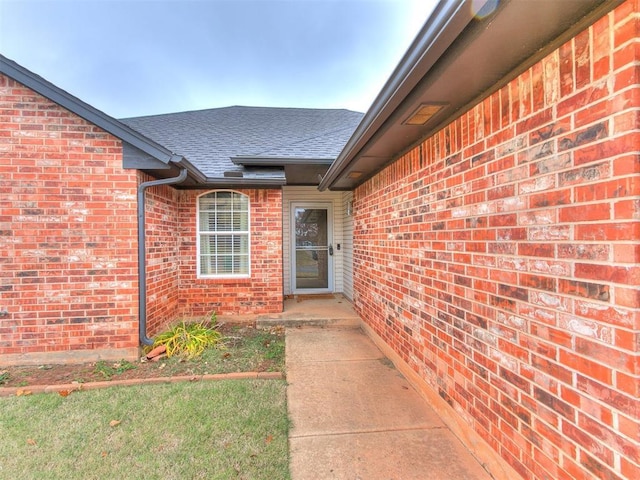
(229, 279)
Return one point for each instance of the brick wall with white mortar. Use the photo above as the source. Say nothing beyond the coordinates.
(174, 290)
(260, 293)
(68, 242)
(499, 260)
(68, 277)
(162, 254)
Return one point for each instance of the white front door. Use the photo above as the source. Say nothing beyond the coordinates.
(312, 249)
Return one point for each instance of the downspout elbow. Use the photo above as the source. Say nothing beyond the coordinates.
(142, 267)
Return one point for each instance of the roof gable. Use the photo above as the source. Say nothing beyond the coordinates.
(147, 148)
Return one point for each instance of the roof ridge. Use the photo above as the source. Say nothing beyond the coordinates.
(246, 107)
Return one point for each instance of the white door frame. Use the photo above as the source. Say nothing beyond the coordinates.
(292, 254)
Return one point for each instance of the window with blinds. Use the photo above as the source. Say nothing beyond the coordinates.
(223, 234)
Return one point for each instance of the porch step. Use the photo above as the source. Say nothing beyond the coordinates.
(330, 310)
(314, 311)
(351, 322)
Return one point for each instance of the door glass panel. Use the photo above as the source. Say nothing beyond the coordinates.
(312, 248)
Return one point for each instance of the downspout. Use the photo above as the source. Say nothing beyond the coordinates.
(142, 267)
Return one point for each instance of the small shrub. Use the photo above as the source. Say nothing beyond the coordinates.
(4, 377)
(189, 339)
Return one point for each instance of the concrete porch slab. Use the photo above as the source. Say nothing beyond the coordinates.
(313, 310)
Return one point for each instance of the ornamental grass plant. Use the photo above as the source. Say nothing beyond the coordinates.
(190, 339)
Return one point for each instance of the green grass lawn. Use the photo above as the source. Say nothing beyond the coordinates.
(233, 429)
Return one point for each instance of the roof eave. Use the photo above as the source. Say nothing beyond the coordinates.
(251, 161)
(216, 182)
(448, 42)
(446, 22)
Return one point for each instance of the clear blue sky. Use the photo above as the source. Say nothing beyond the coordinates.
(142, 57)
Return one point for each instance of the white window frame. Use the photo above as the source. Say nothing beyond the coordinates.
(199, 233)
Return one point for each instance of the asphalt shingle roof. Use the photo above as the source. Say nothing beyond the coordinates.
(209, 139)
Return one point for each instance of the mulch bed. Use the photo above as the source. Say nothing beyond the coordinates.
(25, 376)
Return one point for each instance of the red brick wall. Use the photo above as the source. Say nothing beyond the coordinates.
(68, 242)
(68, 276)
(499, 259)
(162, 253)
(263, 292)
(173, 289)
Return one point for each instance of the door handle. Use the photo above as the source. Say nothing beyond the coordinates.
(330, 249)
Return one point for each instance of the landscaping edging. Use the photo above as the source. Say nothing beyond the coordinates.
(76, 387)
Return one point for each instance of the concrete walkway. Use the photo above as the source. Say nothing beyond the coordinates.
(356, 418)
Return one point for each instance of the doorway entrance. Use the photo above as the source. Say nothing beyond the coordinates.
(312, 249)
